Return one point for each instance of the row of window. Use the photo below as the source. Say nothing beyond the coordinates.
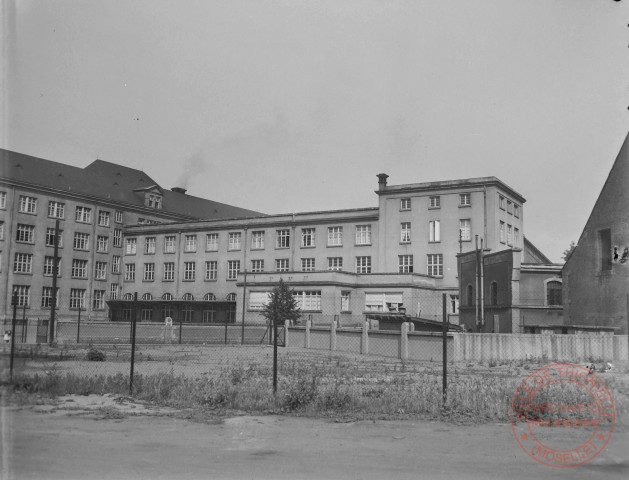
(553, 294)
(465, 200)
(512, 208)
(23, 263)
(81, 241)
(509, 234)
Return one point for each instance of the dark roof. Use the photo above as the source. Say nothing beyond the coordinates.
(112, 182)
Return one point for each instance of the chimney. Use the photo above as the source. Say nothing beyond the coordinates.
(179, 190)
(382, 181)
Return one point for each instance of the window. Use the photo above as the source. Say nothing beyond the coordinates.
(115, 264)
(405, 232)
(98, 301)
(435, 231)
(114, 291)
(516, 210)
(149, 272)
(131, 246)
(149, 245)
(28, 204)
(100, 270)
(129, 272)
(257, 266)
(282, 238)
(308, 301)
(493, 293)
(1, 230)
(83, 215)
(454, 304)
(605, 249)
(56, 209)
(50, 237)
(211, 269)
(128, 296)
(231, 297)
(405, 263)
(335, 263)
(465, 199)
(209, 297)
(345, 302)
(3, 200)
(25, 233)
(168, 297)
(46, 297)
(516, 237)
(233, 269)
(501, 202)
(103, 218)
(153, 200)
(77, 298)
(170, 242)
(363, 264)
(435, 265)
(509, 235)
(189, 270)
(23, 295)
(79, 268)
(510, 207)
(211, 242)
(281, 265)
(363, 235)
(503, 238)
(335, 236)
(146, 315)
(553, 293)
(23, 263)
(118, 216)
(102, 243)
(208, 316)
(169, 271)
(307, 237)
(190, 244)
(465, 230)
(435, 201)
(234, 241)
(257, 300)
(405, 204)
(117, 237)
(48, 266)
(383, 302)
(307, 264)
(257, 240)
(81, 241)
(470, 295)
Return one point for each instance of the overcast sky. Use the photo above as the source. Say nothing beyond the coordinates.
(283, 106)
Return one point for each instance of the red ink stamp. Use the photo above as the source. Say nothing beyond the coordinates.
(562, 415)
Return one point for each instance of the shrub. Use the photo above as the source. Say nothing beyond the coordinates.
(95, 355)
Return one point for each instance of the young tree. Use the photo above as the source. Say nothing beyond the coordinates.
(568, 251)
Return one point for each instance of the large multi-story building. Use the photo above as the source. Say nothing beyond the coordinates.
(92, 206)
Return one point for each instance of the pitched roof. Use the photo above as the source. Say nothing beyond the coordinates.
(533, 255)
(109, 181)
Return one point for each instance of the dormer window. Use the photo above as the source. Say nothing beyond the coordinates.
(153, 200)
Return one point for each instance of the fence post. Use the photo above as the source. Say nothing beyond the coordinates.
(404, 341)
(133, 326)
(180, 330)
(78, 327)
(364, 344)
(333, 336)
(286, 325)
(14, 302)
(445, 349)
(307, 333)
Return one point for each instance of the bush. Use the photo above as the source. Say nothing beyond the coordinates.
(95, 355)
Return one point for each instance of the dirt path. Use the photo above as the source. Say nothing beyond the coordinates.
(106, 438)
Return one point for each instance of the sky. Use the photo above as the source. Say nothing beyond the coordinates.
(293, 106)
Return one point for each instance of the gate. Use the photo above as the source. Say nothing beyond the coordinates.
(281, 335)
(42, 331)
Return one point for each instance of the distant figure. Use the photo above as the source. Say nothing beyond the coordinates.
(7, 336)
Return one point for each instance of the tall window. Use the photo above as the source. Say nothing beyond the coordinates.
(282, 238)
(307, 264)
(234, 241)
(605, 249)
(465, 199)
(345, 304)
(98, 301)
(493, 293)
(509, 235)
(363, 264)
(307, 237)
(435, 230)
(510, 207)
(169, 271)
(233, 268)
(189, 270)
(335, 263)
(553, 293)
(170, 242)
(335, 236)
(28, 204)
(516, 210)
(102, 243)
(465, 229)
(81, 241)
(149, 272)
(49, 266)
(100, 270)
(516, 237)
(405, 204)
(3, 200)
(1, 230)
(435, 201)
(503, 234)
(257, 240)
(363, 234)
(114, 291)
(25, 233)
(405, 232)
(470, 295)
(118, 216)
(50, 237)
(211, 242)
(190, 244)
(257, 266)
(103, 218)
(115, 264)
(501, 202)
(405, 263)
(83, 214)
(77, 298)
(149, 245)
(117, 237)
(129, 272)
(23, 263)
(435, 265)
(56, 209)
(211, 269)
(46, 297)
(131, 246)
(23, 295)
(281, 265)
(79, 268)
